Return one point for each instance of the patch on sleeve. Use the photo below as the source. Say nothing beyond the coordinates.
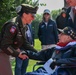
(13, 29)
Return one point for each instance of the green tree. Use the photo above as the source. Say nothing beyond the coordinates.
(7, 8)
(35, 24)
(55, 13)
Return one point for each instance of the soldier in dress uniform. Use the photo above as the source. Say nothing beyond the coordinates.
(13, 37)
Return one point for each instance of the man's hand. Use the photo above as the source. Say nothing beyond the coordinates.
(23, 56)
(18, 50)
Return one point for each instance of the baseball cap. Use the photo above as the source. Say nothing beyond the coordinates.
(68, 31)
(46, 11)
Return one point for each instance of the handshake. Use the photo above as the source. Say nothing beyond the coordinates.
(23, 55)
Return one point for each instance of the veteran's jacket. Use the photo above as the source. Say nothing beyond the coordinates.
(65, 55)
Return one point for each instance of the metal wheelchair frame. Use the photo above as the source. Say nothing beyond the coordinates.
(42, 63)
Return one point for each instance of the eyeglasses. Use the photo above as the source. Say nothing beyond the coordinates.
(46, 14)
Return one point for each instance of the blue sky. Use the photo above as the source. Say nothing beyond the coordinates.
(50, 4)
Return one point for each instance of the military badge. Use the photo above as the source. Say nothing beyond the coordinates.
(13, 29)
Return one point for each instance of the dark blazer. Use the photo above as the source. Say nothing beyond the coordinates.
(69, 19)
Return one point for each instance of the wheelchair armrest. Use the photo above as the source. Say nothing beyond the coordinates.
(38, 63)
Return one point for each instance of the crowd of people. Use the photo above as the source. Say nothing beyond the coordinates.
(58, 41)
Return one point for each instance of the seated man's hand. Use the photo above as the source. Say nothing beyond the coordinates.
(18, 50)
(23, 55)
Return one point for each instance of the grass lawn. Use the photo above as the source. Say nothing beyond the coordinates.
(31, 62)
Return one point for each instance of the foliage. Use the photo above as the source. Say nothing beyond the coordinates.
(18, 2)
(7, 8)
(35, 24)
(55, 13)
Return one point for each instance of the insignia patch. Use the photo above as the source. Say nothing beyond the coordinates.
(13, 29)
(50, 25)
(42, 26)
(68, 31)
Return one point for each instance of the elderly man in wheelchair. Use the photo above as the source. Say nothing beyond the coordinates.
(60, 60)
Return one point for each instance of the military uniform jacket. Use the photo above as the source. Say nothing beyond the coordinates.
(13, 37)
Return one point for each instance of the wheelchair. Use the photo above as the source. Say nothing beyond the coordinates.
(59, 71)
(63, 69)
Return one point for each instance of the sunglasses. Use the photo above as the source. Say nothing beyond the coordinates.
(46, 14)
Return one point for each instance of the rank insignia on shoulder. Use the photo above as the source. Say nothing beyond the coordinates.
(13, 29)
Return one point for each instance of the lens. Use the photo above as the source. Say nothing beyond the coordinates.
(46, 13)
